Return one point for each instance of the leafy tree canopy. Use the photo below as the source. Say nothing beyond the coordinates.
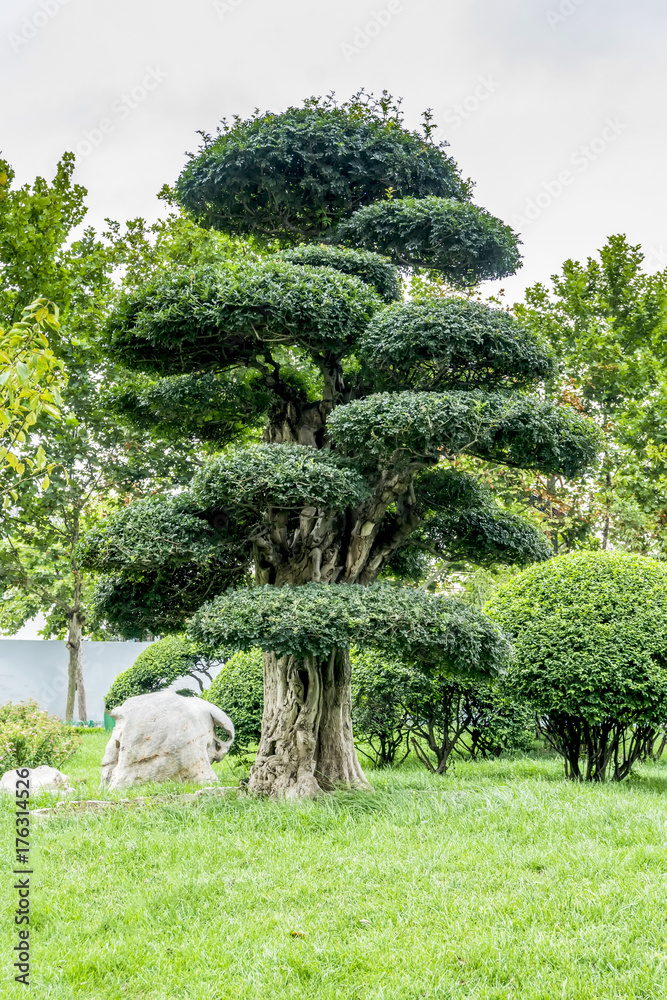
(315, 619)
(289, 177)
(590, 653)
(331, 496)
(451, 343)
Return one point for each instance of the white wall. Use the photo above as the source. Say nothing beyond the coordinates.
(37, 668)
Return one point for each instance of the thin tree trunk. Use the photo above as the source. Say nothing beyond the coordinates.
(80, 688)
(605, 528)
(75, 671)
(306, 745)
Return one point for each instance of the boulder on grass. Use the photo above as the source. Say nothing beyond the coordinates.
(42, 779)
(165, 737)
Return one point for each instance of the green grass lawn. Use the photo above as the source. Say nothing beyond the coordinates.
(500, 880)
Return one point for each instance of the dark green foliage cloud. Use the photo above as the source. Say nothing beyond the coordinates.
(286, 476)
(590, 636)
(217, 318)
(216, 407)
(370, 267)
(291, 176)
(138, 604)
(465, 243)
(462, 522)
(317, 618)
(405, 427)
(153, 533)
(451, 343)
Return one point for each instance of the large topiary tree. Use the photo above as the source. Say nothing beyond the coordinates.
(590, 637)
(367, 400)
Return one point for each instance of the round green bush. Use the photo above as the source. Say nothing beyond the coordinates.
(29, 737)
(239, 691)
(154, 669)
(590, 654)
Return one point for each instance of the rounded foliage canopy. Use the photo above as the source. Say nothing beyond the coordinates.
(285, 476)
(154, 669)
(291, 176)
(451, 343)
(213, 406)
(403, 427)
(369, 267)
(466, 243)
(462, 521)
(590, 636)
(192, 320)
(314, 619)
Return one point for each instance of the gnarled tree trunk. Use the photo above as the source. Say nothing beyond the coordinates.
(306, 745)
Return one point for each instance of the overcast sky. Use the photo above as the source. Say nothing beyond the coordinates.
(555, 108)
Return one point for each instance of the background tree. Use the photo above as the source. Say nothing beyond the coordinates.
(590, 640)
(157, 667)
(367, 401)
(606, 324)
(30, 376)
(97, 459)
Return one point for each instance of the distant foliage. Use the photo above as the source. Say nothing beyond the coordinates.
(380, 691)
(590, 641)
(156, 668)
(30, 737)
(238, 689)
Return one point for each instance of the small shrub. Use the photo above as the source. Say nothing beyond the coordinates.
(495, 724)
(30, 737)
(590, 655)
(239, 691)
(380, 689)
(156, 668)
(398, 705)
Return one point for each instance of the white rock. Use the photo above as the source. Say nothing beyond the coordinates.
(42, 779)
(164, 737)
